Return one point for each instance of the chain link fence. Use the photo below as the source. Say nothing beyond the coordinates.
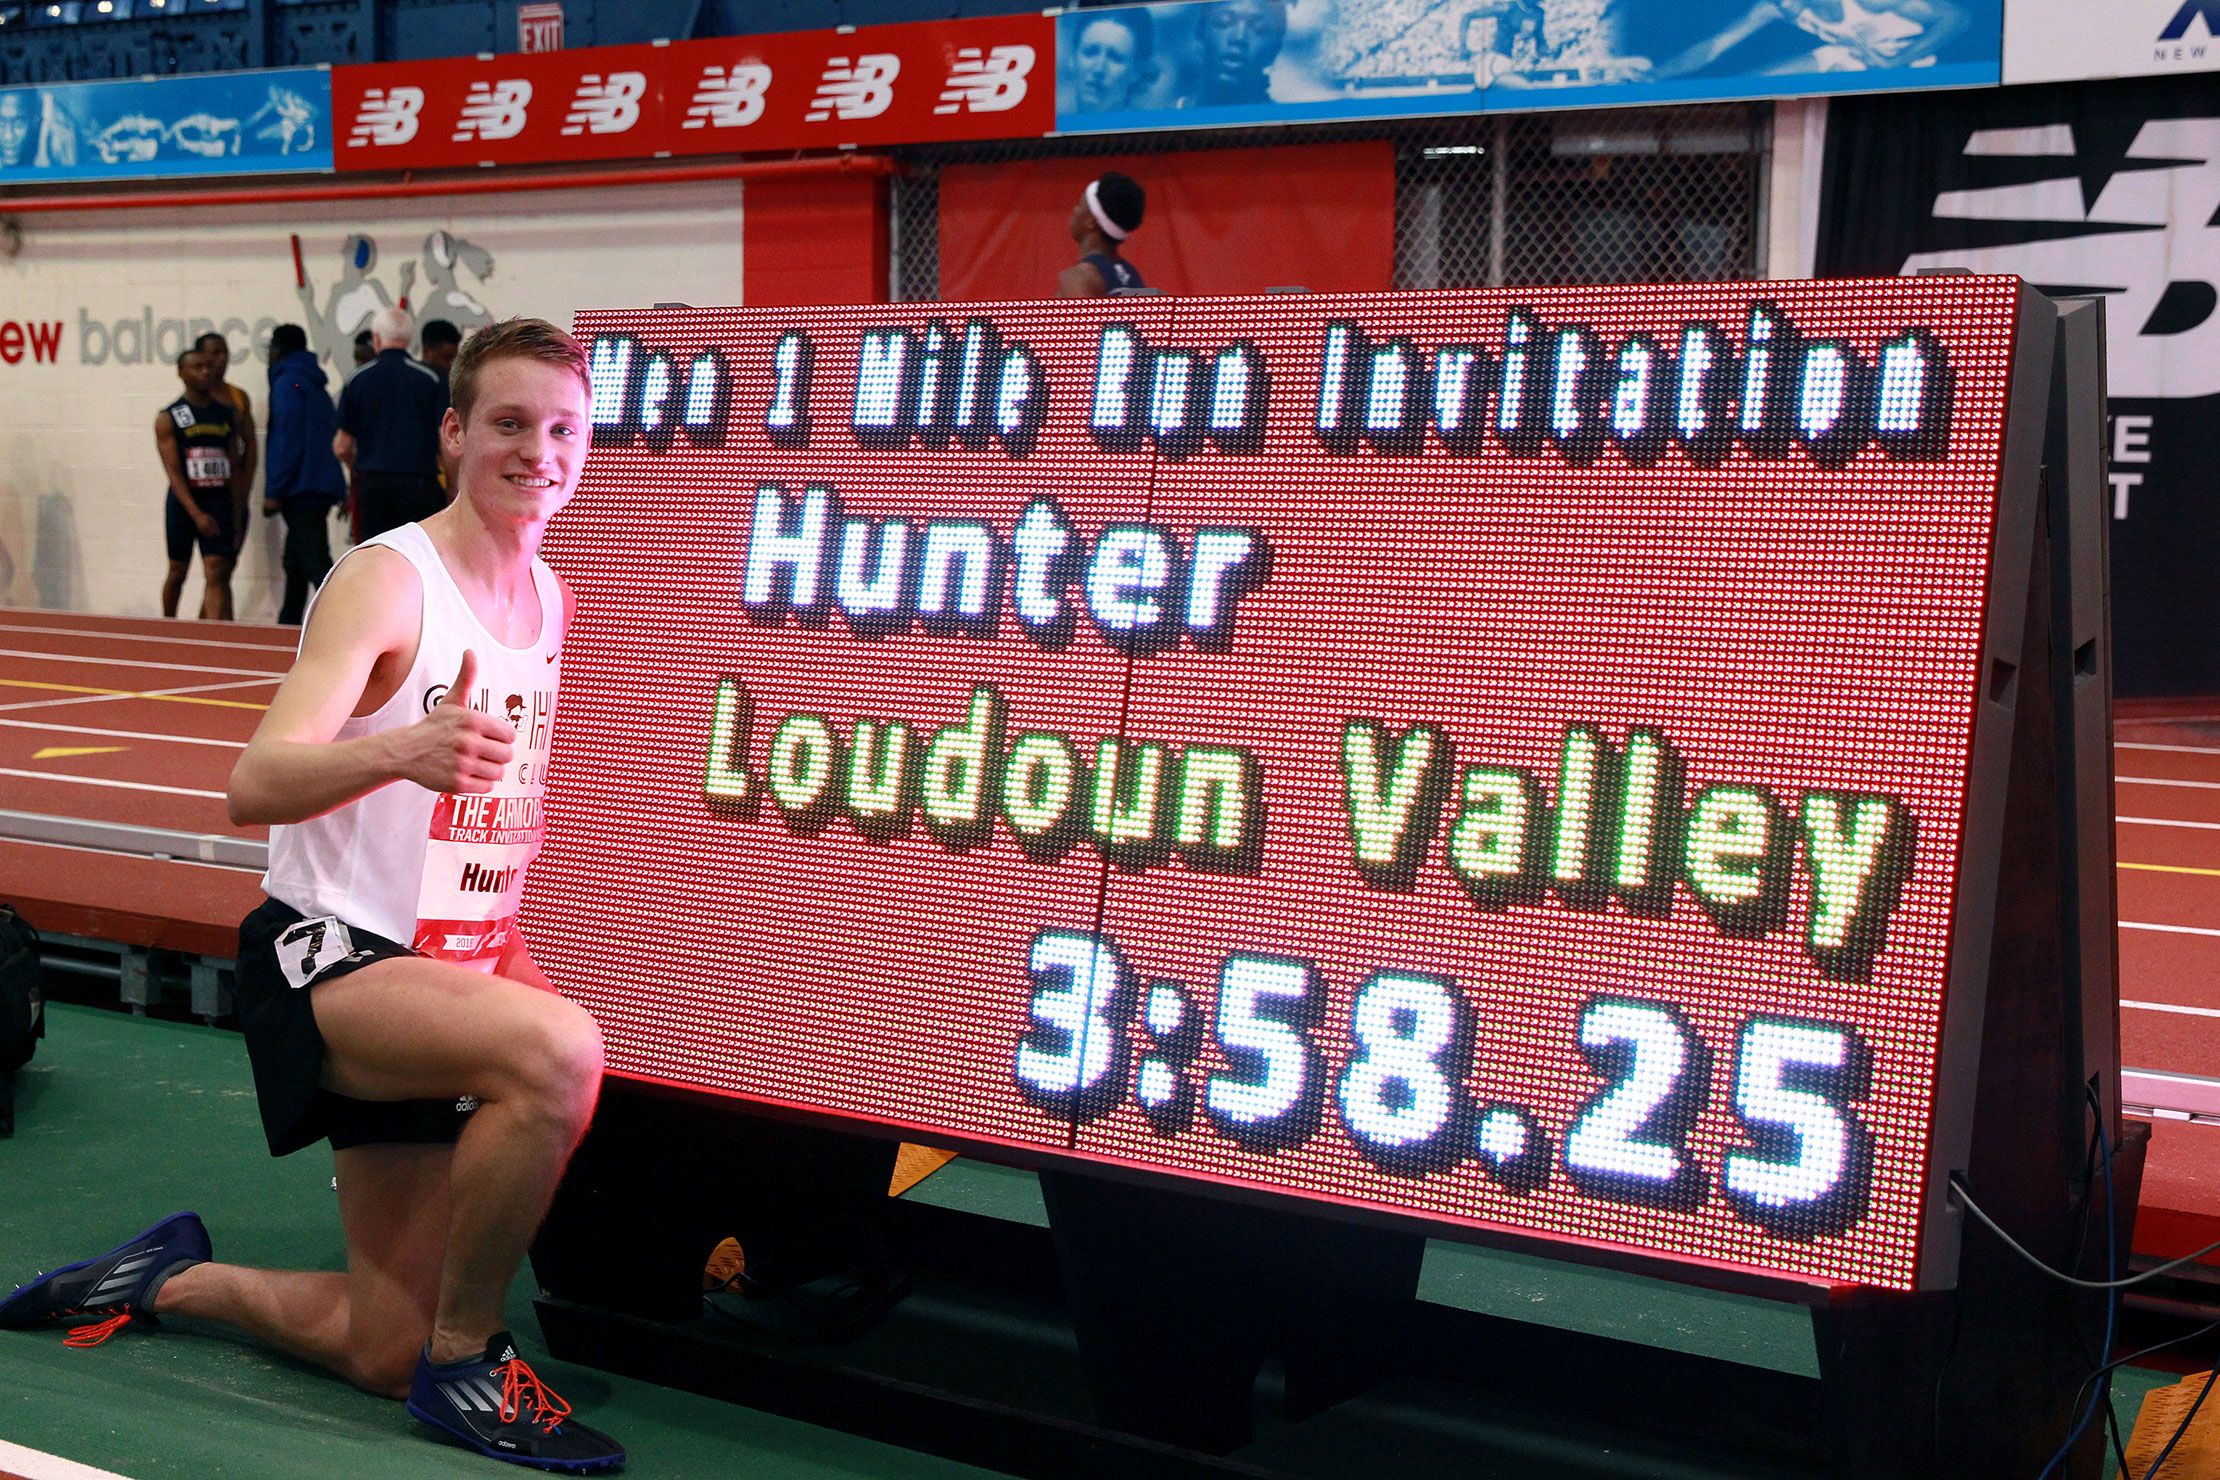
(1644, 195)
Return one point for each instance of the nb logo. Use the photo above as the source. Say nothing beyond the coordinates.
(861, 90)
(2178, 27)
(493, 110)
(605, 105)
(729, 97)
(993, 82)
(387, 116)
(2150, 241)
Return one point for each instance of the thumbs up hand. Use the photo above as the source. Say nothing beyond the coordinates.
(454, 748)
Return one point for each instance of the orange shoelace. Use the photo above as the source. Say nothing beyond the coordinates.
(518, 1382)
(97, 1332)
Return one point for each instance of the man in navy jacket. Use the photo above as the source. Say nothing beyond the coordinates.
(301, 478)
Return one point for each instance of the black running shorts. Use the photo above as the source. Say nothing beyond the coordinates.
(180, 534)
(283, 957)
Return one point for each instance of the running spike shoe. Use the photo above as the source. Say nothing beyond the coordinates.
(118, 1285)
(497, 1405)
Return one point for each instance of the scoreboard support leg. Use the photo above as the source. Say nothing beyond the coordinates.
(658, 1182)
(1177, 1300)
(1980, 1380)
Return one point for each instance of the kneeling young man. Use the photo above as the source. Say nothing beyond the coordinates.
(388, 999)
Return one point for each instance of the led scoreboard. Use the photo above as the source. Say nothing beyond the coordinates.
(1510, 760)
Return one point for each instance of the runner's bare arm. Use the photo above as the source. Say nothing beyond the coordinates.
(250, 447)
(1709, 50)
(293, 769)
(166, 445)
(1081, 280)
(1942, 18)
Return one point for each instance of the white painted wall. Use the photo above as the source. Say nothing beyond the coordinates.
(81, 490)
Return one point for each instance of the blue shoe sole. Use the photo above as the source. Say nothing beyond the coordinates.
(568, 1466)
(11, 1308)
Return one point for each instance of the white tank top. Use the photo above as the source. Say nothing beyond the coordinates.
(442, 874)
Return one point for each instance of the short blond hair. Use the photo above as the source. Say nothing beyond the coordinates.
(512, 339)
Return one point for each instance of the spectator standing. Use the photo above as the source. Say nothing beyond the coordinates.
(441, 341)
(245, 453)
(302, 481)
(389, 417)
(365, 352)
(194, 436)
(1108, 212)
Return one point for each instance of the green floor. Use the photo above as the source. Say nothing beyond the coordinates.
(122, 1120)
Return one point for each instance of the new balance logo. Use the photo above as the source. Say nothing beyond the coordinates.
(605, 105)
(2152, 232)
(860, 89)
(386, 116)
(2178, 27)
(493, 110)
(990, 83)
(729, 97)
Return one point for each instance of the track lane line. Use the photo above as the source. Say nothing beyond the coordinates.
(2170, 868)
(2204, 1012)
(2166, 781)
(140, 663)
(62, 729)
(80, 694)
(2169, 822)
(175, 791)
(35, 1464)
(2175, 749)
(90, 634)
(2169, 929)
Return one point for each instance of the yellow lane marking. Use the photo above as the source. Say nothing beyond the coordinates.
(58, 752)
(2173, 868)
(73, 688)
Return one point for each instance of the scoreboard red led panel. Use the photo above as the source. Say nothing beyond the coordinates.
(1503, 759)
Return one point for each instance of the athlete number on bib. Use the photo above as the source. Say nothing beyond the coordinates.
(309, 946)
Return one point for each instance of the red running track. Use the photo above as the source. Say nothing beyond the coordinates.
(121, 720)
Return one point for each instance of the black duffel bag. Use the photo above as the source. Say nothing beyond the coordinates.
(22, 1007)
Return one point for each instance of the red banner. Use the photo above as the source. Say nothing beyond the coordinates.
(973, 79)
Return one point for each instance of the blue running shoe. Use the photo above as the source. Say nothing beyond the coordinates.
(119, 1284)
(498, 1406)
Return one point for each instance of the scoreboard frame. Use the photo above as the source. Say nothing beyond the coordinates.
(2029, 1024)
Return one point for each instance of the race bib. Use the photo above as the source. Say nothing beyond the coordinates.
(207, 465)
(308, 948)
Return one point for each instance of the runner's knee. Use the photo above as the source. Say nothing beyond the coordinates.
(558, 1059)
(386, 1368)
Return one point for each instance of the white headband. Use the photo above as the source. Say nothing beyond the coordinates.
(1110, 228)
